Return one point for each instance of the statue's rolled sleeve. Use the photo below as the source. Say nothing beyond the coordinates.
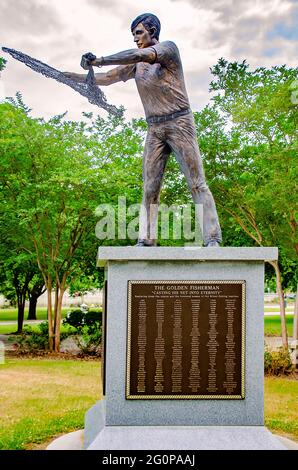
(131, 56)
(166, 52)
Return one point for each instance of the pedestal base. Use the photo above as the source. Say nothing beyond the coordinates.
(127, 421)
(166, 266)
(98, 436)
(185, 438)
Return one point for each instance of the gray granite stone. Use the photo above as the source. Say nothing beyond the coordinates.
(94, 422)
(186, 438)
(217, 424)
(120, 411)
(192, 253)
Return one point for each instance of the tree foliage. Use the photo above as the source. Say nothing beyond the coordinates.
(53, 176)
(251, 156)
(2, 63)
(55, 173)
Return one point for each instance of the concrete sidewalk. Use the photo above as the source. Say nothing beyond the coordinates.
(26, 322)
(275, 342)
(8, 345)
(75, 441)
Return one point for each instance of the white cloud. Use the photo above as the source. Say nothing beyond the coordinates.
(28, 17)
(59, 32)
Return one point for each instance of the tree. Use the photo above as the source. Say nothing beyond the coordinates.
(17, 264)
(2, 63)
(55, 198)
(15, 275)
(55, 173)
(250, 144)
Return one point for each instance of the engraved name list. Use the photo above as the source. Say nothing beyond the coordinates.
(186, 340)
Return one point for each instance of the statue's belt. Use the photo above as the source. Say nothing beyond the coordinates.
(167, 117)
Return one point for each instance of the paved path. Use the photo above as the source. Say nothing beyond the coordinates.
(68, 345)
(8, 345)
(275, 342)
(26, 322)
(290, 306)
(74, 441)
(289, 311)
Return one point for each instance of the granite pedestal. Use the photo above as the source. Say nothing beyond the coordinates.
(119, 423)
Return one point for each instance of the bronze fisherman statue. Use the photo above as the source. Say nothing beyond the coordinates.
(157, 69)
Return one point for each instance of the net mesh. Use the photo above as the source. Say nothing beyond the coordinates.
(89, 88)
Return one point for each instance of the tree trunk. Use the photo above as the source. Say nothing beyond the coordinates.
(33, 294)
(58, 319)
(295, 325)
(56, 306)
(21, 310)
(50, 316)
(294, 344)
(32, 307)
(284, 333)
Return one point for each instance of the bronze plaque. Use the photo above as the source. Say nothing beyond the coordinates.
(186, 340)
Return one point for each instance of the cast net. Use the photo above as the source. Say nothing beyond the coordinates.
(89, 88)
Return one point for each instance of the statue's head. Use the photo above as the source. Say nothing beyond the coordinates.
(150, 22)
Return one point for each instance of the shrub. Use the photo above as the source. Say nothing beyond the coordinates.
(89, 332)
(74, 318)
(89, 340)
(85, 328)
(277, 362)
(78, 319)
(92, 317)
(34, 341)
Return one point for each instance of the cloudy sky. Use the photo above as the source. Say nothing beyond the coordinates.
(58, 32)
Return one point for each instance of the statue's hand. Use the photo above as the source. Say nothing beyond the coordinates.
(87, 59)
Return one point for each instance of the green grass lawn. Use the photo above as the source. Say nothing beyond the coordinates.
(11, 314)
(7, 329)
(276, 309)
(42, 398)
(10, 329)
(281, 410)
(272, 325)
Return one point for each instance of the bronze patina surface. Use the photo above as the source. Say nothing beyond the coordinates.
(157, 69)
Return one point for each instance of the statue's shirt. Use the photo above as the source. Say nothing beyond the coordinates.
(161, 85)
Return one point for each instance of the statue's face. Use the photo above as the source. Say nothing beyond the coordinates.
(142, 37)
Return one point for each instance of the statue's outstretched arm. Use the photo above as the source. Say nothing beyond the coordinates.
(88, 88)
(112, 76)
(103, 79)
(131, 56)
